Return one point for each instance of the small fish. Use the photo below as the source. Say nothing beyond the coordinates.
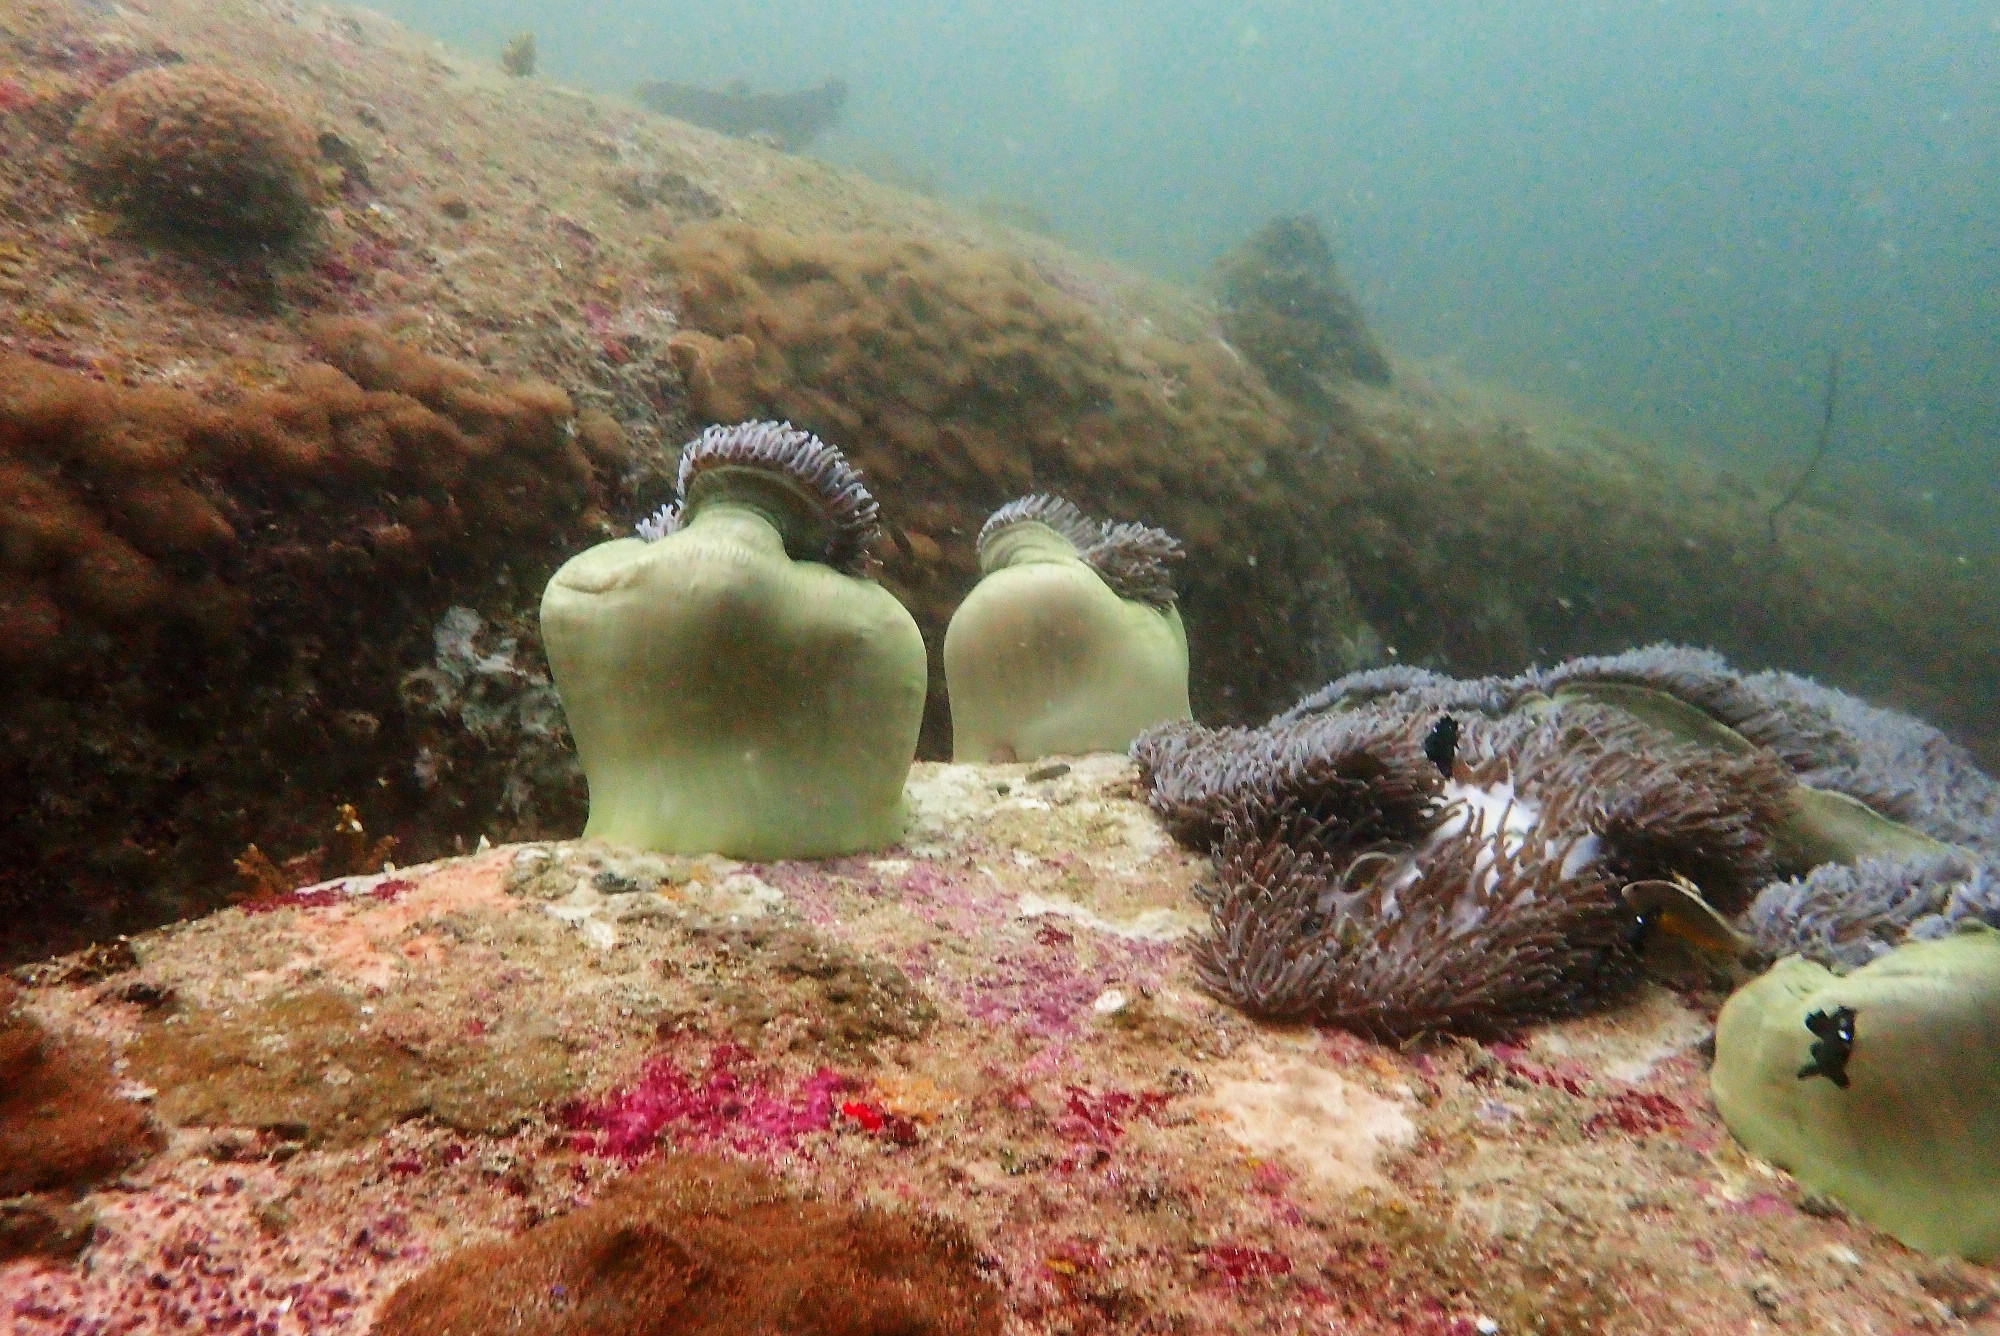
(1676, 907)
(1441, 744)
(1833, 1045)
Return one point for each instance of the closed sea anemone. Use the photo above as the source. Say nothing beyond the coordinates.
(1070, 642)
(734, 682)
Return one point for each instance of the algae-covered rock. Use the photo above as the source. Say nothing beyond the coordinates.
(1070, 643)
(734, 684)
(1285, 308)
(1880, 1088)
(195, 153)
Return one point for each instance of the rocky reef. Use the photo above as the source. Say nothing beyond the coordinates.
(180, 575)
(788, 120)
(277, 513)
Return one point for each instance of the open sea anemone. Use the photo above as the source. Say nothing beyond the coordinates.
(1356, 890)
(1403, 853)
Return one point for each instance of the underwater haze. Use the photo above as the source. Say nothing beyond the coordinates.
(1665, 214)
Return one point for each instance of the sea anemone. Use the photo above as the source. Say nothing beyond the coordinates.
(1135, 560)
(733, 682)
(1404, 687)
(1896, 764)
(1660, 768)
(1844, 916)
(1365, 771)
(815, 497)
(1360, 886)
(1803, 737)
(1879, 1088)
(1070, 642)
(1057, 513)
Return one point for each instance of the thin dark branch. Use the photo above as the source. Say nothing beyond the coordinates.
(1820, 447)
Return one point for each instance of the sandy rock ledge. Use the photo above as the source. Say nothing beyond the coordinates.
(995, 1023)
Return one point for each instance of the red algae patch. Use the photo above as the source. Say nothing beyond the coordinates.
(698, 1247)
(725, 1105)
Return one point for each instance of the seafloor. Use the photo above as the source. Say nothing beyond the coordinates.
(995, 1023)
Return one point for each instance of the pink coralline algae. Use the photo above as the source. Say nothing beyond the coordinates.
(190, 1263)
(1636, 1113)
(943, 901)
(1100, 1115)
(1041, 987)
(728, 1106)
(1233, 1263)
(1093, 1121)
(1512, 1057)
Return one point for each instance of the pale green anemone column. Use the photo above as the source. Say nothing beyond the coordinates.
(1880, 1088)
(1070, 642)
(734, 682)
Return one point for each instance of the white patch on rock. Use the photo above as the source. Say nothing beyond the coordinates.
(732, 897)
(1152, 925)
(941, 799)
(743, 895)
(1626, 1047)
(1315, 1121)
(1145, 836)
